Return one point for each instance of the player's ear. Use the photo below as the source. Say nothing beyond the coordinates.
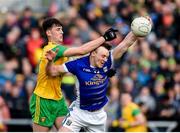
(93, 53)
(48, 32)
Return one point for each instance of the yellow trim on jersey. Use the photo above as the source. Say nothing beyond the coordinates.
(37, 111)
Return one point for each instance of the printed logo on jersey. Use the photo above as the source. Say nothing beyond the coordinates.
(97, 77)
(86, 70)
(43, 119)
(68, 122)
(96, 80)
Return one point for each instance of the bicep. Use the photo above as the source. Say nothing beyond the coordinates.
(72, 51)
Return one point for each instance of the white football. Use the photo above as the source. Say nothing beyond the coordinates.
(141, 26)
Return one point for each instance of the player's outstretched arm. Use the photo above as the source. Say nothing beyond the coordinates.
(124, 45)
(109, 35)
(130, 39)
(51, 69)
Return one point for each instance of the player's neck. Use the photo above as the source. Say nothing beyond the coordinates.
(92, 61)
(55, 42)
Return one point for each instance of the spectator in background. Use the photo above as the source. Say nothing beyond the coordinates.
(84, 29)
(11, 46)
(10, 22)
(132, 120)
(68, 87)
(30, 77)
(147, 101)
(176, 99)
(112, 108)
(16, 98)
(128, 86)
(4, 114)
(34, 43)
(52, 10)
(158, 89)
(27, 21)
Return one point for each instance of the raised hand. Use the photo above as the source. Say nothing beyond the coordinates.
(50, 54)
(150, 20)
(110, 34)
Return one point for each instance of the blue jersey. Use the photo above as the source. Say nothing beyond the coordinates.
(92, 82)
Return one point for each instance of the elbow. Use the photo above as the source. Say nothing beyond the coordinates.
(119, 53)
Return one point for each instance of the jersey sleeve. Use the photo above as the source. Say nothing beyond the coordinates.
(136, 111)
(71, 66)
(60, 51)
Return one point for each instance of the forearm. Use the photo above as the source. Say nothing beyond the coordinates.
(90, 46)
(137, 123)
(122, 47)
(85, 48)
(127, 124)
(52, 70)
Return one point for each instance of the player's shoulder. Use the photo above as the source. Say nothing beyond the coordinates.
(48, 47)
(134, 105)
(82, 58)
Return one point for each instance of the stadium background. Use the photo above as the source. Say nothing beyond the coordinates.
(149, 71)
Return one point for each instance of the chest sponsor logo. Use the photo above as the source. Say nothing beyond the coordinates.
(96, 80)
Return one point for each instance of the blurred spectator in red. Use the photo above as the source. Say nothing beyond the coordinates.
(34, 43)
(4, 114)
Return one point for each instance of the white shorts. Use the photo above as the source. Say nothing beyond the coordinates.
(89, 121)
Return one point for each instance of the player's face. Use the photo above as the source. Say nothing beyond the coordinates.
(101, 56)
(56, 34)
(125, 99)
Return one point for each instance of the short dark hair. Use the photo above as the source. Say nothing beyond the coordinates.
(107, 46)
(27, 8)
(49, 22)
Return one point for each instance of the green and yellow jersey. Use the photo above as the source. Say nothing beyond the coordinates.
(128, 113)
(47, 86)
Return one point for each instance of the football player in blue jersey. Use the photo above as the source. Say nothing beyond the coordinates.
(92, 81)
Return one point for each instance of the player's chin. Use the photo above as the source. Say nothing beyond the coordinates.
(101, 65)
(60, 39)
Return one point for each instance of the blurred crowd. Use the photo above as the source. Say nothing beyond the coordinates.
(149, 70)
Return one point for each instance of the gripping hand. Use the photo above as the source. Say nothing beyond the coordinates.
(110, 34)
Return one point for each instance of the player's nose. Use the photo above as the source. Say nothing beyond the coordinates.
(61, 32)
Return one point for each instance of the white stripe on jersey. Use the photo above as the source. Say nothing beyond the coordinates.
(77, 92)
